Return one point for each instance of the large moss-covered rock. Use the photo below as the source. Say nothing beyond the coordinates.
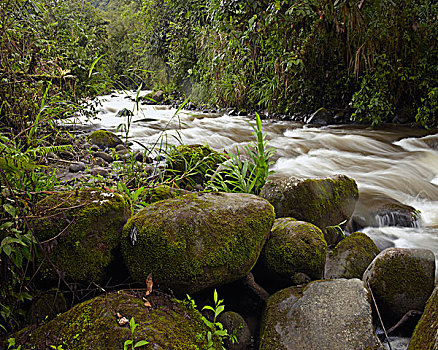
(197, 241)
(79, 229)
(401, 280)
(199, 159)
(324, 315)
(235, 324)
(425, 336)
(294, 247)
(351, 257)
(104, 138)
(322, 202)
(166, 325)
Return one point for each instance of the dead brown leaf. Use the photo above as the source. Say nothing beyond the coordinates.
(149, 284)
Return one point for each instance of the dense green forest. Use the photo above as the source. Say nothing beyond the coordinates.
(373, 61)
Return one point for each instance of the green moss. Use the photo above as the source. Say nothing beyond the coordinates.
(322, 202)
(353, 255)
(198, 240)
(103, 138)
(80, 230)
(196, 159)
(168, 325)
(425, 336)
(295, 246)
(161, 192)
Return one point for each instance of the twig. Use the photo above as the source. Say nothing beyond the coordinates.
(378, 314)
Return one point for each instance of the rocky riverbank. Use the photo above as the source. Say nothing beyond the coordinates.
(280, 260)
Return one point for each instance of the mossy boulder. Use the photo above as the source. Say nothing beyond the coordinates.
(322, 202)
(425, 335)
(166, 325)
(324, 315)
(294, 247)
(351, 257)
(197, 241)
(198, 159)
(160, 193)
(79, 229)
(401, 280)
(104, 139)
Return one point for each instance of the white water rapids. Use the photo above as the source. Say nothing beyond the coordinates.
(398, 163)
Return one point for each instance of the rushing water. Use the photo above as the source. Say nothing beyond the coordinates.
(394, 163)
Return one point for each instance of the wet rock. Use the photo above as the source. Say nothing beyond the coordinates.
(351, 257)
(205, 158)
(333, 235)
(103, 138)
(425, 336)
(93, 324)
(99, 162)
(320, 117)
(80, 228)
(324, 315)
(105, 156)
(158, 96)
(376, 210)
(197, 241)
(123, 113)
(139, 157)
(94, 148)
(233, 322)
(294, 247)
(322, 202)
(120, 148)
(77, 167)
(401, 280)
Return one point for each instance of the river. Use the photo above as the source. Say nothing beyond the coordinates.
(393, 163)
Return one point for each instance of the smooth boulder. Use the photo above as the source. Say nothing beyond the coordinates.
(96, 324)
(351, 257)
(401, 280)
(78, 230)
(322, 202)
(104, 139)
(197, 241)
(293, 248)
(425, 335)
(324, 315)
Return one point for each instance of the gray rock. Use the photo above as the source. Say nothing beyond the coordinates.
(320, 117)
(233, 322)
(351, 257)
(99, 171)
(77, 167)
(401, 280)
(120, 147)
(324, 315)
(105, 156)
(103, 138)
(322, 202)
(197, 241)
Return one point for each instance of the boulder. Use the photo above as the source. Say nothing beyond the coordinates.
(294, 247)
(234, 323)
(105, 156)
(376, 210)
(93, 324)
(324, 315)
(401, 280)
(320, 117)
(333, 235)
(104, 139)
(79, 229)
(197, 241)
(351, 257)
(425, 336)
(322, 202)
(77, 167)
(199, 159)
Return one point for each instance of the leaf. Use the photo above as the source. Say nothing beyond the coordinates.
(121, 320)
(93, 64)
(149, 284)
(127, 343)
(140, 343)
(7, 249)
(147, 303)
(9, 209)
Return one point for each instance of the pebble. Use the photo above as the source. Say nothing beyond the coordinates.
(77, 167)
(105, 156)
